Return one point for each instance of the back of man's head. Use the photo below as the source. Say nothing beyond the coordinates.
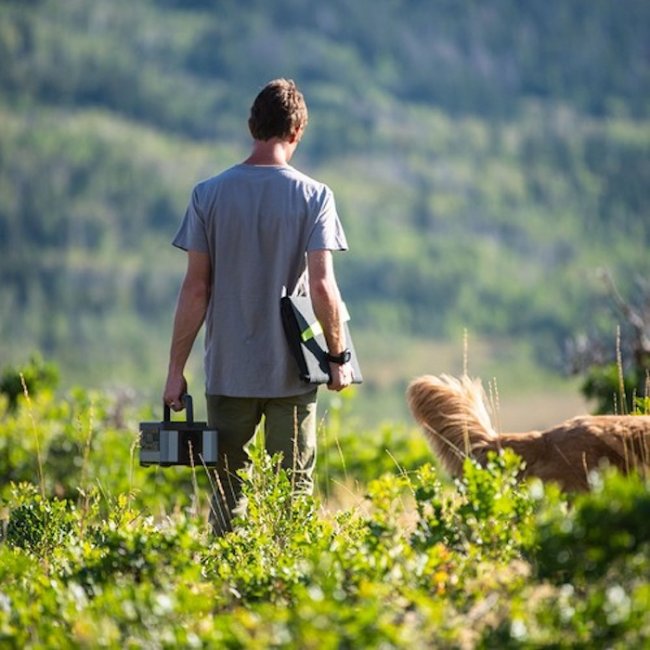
(277, 111)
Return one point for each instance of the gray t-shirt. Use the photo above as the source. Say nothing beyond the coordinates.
(257, 223)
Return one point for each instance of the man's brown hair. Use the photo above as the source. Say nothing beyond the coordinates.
(277, 111)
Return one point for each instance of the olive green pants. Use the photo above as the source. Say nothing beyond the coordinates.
(289, 428)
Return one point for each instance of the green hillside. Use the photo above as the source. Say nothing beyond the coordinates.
(488, 158)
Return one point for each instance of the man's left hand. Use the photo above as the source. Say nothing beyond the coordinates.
(341, 376)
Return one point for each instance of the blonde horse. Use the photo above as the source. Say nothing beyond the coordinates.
(455, 419)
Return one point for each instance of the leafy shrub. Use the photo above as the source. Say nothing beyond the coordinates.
(37, 524)
(601, 529)
(484, 561)
(489, 517)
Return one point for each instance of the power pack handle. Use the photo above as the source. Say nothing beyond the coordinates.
(189, 408)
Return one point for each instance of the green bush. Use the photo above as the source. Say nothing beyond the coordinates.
(604, 528)
(37, 524)
(485, 561)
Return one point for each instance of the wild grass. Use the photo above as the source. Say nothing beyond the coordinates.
(98, 552)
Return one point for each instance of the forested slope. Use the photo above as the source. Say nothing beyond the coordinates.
(487, 159)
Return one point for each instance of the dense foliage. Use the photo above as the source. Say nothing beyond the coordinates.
(484, 166)
(97, 552)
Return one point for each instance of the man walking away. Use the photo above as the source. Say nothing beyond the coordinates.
(250, 234)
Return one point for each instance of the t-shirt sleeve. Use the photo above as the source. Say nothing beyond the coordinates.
(327, 233)
(192, 233)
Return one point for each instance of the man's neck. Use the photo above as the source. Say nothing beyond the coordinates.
(271, 152)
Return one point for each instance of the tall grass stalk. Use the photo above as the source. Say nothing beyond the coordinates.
(86, 456)
(495, 404)
(84, 491)
(619, 367)
(195, 485)
(342, 457)
(295, 452)
(39, 456)
(219, 504)
(214, 503)
(134, 445)
(465, 352)
(466, 374)
(324, 430)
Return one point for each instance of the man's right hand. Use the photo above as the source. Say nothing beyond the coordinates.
(175, 388)
(341, 376)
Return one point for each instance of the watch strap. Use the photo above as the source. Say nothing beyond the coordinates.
(342, 358)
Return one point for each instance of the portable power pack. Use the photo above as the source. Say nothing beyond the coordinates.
(170, 443)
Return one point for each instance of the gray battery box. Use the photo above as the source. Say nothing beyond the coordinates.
(170, 443)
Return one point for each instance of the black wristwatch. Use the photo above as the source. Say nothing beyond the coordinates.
(342, 358)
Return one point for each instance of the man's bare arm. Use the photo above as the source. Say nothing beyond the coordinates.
(190, 314)
(326, 301)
